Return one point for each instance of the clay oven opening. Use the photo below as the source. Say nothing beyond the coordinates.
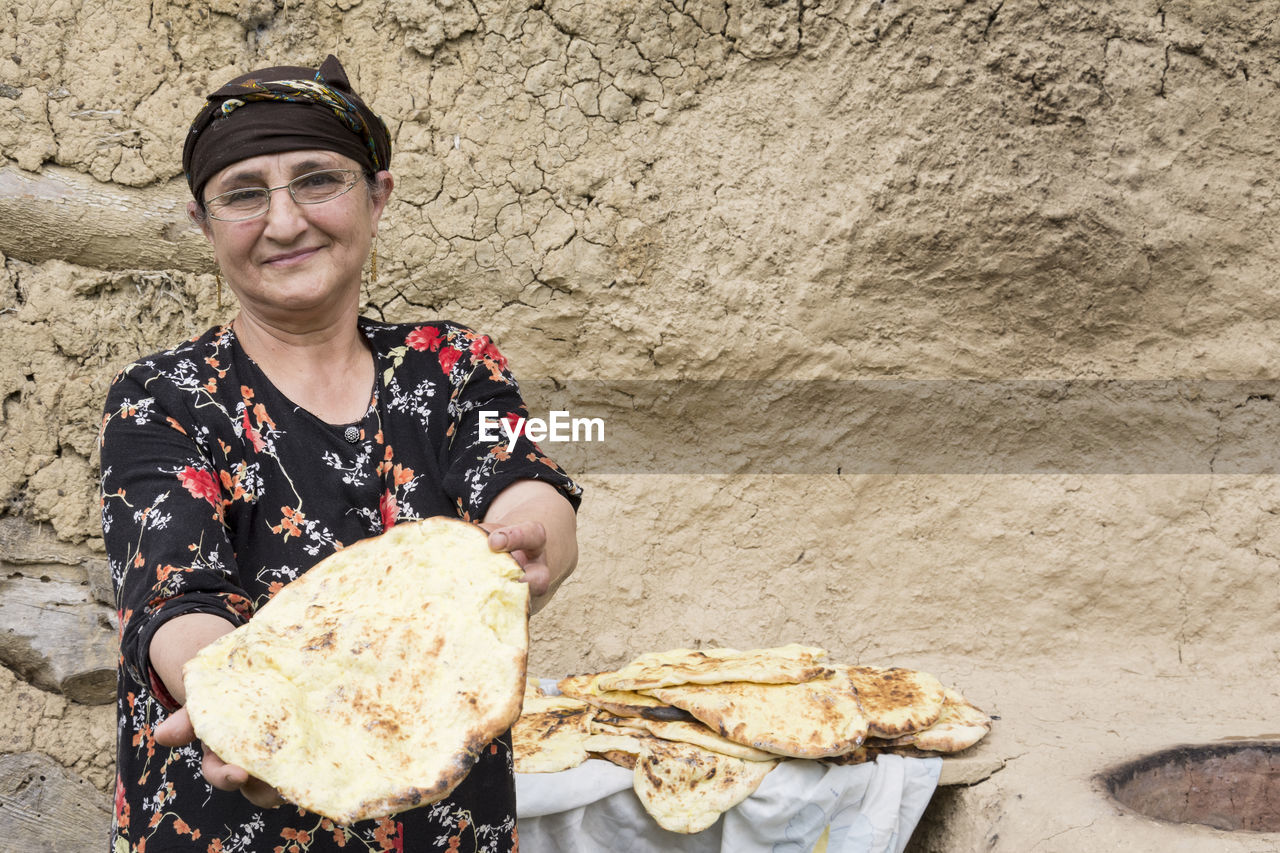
(1227, 786)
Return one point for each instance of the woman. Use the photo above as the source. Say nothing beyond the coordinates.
(234, 462)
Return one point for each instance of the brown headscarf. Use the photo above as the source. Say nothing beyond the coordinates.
(285, 108)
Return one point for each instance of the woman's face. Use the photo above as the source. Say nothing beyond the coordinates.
(295, 257)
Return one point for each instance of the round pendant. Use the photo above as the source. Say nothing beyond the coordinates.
(352, 434)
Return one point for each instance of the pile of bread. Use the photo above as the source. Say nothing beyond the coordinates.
(702, 728)
(372, 683)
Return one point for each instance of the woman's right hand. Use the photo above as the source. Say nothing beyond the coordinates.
(177, 731)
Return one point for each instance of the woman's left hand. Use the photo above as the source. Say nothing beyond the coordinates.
(526, 541)
(533, 522)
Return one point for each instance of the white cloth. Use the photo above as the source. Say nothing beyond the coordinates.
(864, 808)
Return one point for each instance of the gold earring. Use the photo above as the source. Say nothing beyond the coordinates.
(218, 277)
(373, 265)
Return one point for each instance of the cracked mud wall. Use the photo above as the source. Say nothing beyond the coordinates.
(684, 190)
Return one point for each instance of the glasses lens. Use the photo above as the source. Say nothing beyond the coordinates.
(239, 204)
(316, 187)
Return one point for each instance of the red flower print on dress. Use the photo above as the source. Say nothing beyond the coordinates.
(200, 484)
(233, 483)
(389, 835)
(260, 414)
(251, 433)
(448, 358)
(301, 836)
(239, 605)
(425, 338)
(389, 510)
(122, 808)
(289, 521)
(162, 573)
(339, 835)
(483, 348)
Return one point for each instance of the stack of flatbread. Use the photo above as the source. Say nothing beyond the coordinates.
(702, 728)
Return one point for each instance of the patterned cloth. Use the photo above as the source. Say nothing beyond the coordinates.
(311, 92)
(283, 108)
(217, 491)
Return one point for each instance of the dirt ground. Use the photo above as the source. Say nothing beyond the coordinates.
(1064, 722)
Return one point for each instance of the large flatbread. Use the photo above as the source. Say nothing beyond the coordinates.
(621, 745)
(550, 734)
(960, 725)
(370, 684)
(686, 788)
(788, 664)
(861, 755)
(896, 701)
(696, 733)
(816, 719)
(624, 703)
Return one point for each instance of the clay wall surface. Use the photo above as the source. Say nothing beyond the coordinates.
(1031, 249)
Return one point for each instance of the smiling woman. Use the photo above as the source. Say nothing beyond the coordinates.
(235, 461)
(292, 240)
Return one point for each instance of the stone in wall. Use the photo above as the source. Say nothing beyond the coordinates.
(45, 809)
(55, 629)
(430, 24)
(79, 737)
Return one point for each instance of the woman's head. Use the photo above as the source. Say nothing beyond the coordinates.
(285, 108)
(295, 255)
(288, 170)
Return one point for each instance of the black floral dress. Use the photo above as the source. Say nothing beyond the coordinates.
(217, 491)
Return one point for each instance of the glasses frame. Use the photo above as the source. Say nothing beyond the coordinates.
(353, 178)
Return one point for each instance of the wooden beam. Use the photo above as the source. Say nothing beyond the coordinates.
(61, 214)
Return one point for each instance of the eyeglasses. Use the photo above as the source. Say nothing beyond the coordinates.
(252, 202)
